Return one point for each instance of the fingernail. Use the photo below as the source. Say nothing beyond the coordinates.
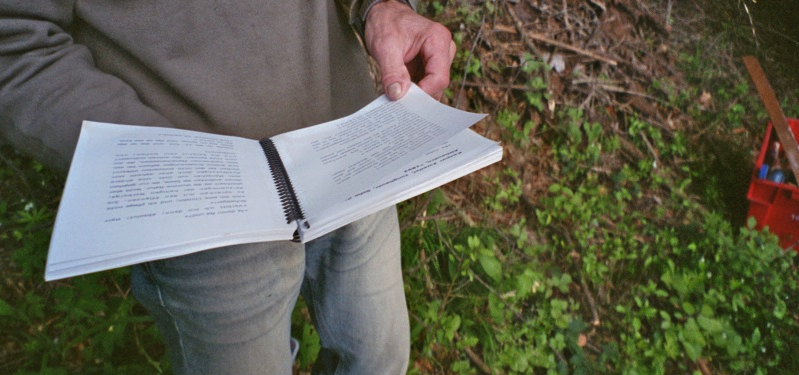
(394, 91)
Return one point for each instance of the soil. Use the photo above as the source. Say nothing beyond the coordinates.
(618, 59)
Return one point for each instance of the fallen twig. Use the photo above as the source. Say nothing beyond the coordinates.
(508, 86)
(544, 39)
(651, 149)
(469, 59)
(475, 358)
(591, 303)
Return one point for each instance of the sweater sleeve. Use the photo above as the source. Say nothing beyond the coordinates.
(49, 84)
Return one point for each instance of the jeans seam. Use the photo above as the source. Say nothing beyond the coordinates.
(172, 317)
(321, 327)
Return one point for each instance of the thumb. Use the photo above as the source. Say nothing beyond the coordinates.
(395, 77)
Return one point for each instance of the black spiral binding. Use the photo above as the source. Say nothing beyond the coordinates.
(288, 198)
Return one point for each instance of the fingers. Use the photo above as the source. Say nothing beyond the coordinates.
(395, 77)
(406, 45)
(436, 69)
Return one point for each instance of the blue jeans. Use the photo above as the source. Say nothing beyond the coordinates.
(228, 310)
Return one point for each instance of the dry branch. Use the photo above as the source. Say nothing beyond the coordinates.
(544, 39)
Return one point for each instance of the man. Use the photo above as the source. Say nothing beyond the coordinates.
(250, 68)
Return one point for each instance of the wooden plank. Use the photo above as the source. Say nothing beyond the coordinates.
(775, 113)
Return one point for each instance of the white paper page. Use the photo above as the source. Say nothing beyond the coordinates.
(160, 192)
(332, 161)
(464, 153)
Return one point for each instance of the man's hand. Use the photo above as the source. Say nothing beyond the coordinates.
(408, 46)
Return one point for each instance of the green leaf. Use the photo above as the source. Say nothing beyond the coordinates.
(474, 242)
(689, 308)
(524, 283)
(756, 336)
(692, 351)
(450, 326)
(496, 308)
(692, 339)
(780, 309)
(490, 264)
(710, 325)
(6, 309)
(671, 346)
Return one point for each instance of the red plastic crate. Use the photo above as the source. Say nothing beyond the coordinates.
(775, 205)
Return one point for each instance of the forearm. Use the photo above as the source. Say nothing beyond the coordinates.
(49, 84)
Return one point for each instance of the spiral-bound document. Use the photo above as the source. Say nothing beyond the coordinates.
(136, 194)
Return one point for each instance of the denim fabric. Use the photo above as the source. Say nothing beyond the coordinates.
(353, 287)
(228, 310)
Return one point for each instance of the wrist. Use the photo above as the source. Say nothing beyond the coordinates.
(359, 21)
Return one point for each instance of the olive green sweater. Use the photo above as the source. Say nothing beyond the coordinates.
(252, 68)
